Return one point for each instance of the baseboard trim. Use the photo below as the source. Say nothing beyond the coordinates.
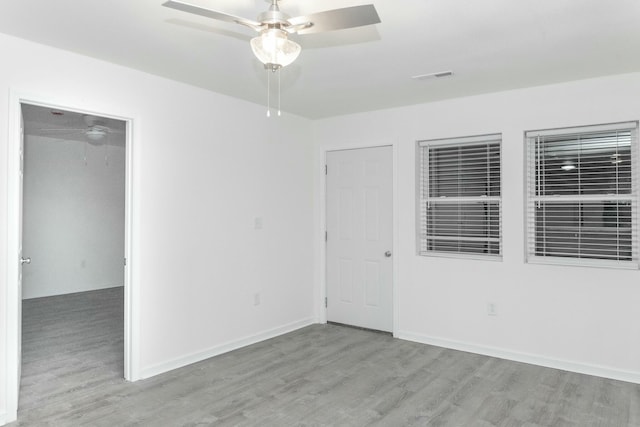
(76, 291)
(224, 348)
(5, 419)
(532, 359)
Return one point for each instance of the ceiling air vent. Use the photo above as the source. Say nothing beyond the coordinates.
(438, 75)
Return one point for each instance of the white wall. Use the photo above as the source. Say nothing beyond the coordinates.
(583, 319)
(204, 166)
(74, 195)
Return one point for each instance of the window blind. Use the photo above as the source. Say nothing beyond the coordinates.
(582, 195)
(460, 197)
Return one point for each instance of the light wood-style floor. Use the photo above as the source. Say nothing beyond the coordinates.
(322, 375)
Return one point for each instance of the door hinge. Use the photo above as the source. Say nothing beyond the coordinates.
(325, 169)
(326, 303)
(326, 236)
(125, 261)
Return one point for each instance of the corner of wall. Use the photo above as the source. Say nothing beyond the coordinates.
(189, 359)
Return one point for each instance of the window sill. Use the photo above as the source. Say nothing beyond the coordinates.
(478, 257)
(584, 262)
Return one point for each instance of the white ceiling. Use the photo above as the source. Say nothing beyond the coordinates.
(490, 45)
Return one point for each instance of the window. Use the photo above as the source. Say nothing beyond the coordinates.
(459, 197)
(582, 195)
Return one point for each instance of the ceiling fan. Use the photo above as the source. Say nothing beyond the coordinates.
(95, 130)
(273, 47)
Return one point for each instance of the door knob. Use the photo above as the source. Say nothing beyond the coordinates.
(387, 254)
(25, 260)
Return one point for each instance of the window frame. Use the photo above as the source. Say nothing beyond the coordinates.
(533, 197)
(422, 182)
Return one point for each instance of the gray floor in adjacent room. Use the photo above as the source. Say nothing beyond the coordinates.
(320, 375)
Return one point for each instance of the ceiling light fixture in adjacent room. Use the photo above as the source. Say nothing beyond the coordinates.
(95, 133)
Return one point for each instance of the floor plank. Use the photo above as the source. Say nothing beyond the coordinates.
(322, 375)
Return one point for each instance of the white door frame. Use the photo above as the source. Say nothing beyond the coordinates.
(131, 300)
(324, 149)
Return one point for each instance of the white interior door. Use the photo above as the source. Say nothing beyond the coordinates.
(23, 259)
(360, 237)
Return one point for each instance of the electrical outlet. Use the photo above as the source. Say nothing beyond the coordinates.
(256, 298)
(492, 309)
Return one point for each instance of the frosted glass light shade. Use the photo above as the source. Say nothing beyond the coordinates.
(273, 47)
(95, 134)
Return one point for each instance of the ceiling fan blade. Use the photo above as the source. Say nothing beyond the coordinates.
(337, 19)
(221, 16)
(67, 130)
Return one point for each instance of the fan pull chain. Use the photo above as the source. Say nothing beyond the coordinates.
(272, 69)
(279, 112)
(268, 93)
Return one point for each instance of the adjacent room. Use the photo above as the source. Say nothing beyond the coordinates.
(282, 213)
(73, 239)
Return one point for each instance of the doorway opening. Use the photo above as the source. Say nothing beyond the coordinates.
(73, 202)
(69, 296)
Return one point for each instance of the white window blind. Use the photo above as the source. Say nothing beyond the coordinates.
(582, 195)
(460, 197)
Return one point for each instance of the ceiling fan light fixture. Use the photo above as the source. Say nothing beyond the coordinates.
(95, 133)
(274, 49)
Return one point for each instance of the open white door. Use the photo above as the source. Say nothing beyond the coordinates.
(15, 264)
(360, 237)
(22, 259)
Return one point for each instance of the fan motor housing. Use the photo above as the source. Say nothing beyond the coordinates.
(274, 17)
